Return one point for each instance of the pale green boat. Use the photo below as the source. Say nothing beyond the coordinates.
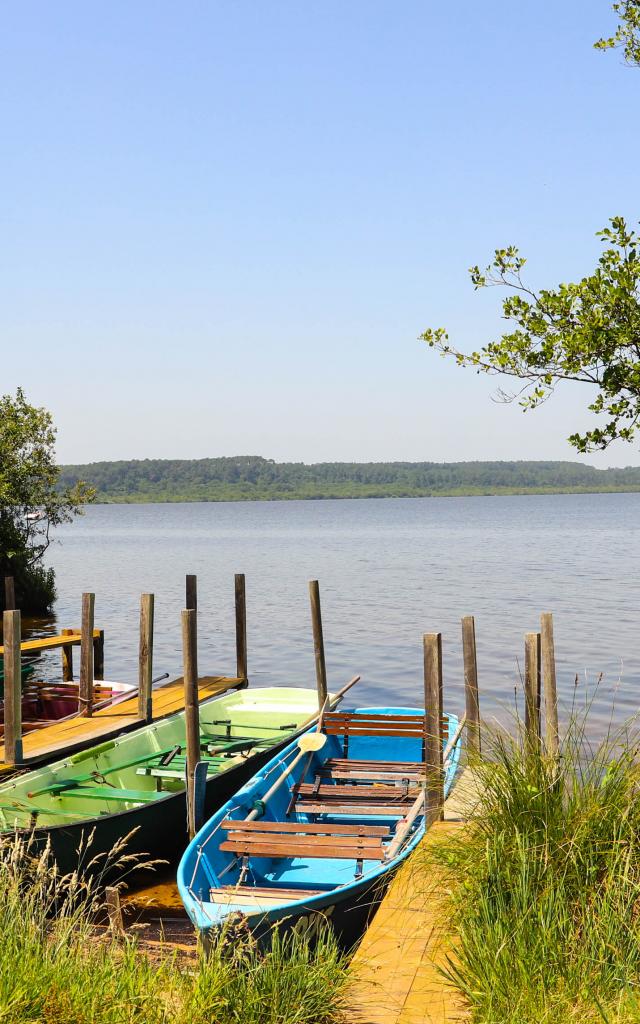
(138, 780)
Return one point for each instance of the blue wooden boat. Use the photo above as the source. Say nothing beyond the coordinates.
(317, 833)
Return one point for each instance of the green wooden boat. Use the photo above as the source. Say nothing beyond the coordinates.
(137, 781)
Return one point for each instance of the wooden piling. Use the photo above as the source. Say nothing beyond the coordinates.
(432, 651)
(85, 694)
(9, 594)
(114, 910)
(532, 690)
(191, 593)
(145, 658)
(191, 709)
(318, 642)
(98, 655)
(547, 647)
(67, 658)
(11, 628)
(472, 700)
(241, 627)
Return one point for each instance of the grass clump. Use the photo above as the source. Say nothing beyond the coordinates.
(546, 883)
(55, 968)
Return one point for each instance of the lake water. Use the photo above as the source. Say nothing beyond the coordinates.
(389, 570)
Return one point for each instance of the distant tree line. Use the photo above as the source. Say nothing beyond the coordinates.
(252, 477)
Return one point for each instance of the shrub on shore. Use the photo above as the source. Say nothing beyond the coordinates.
(55, 968)
(546, 883)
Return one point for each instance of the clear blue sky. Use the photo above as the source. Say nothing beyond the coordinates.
(224, 224)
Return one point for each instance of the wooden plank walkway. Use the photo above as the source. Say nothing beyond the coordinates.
(62, 738)
(396, 969)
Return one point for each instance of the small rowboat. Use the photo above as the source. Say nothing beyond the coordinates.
(137, 781)
(45, 703)
(321, 842)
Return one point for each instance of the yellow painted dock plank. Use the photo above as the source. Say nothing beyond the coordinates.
(75, 733)
(396, 976)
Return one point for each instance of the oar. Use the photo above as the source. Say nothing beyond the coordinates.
(308, 743)
(417, 807)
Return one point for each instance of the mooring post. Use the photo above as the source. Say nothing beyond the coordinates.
(11, 628)
(532, 690)
(98, 655)
(191, 709)
(145, 658)
(318, 642)
(67, 658)
(85, 694)
(432, 650)
(9, 594)
(547, 647)
(191, 593)
(114, 910)
(241, 627)
(472, 700)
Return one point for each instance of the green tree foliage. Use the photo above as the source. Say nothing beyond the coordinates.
(627, 34)
(588, 331)
(31, 503)
(250, 477)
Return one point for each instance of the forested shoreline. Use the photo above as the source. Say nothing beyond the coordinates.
(247, 478)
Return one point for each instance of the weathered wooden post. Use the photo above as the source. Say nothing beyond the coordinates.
(432, 650)
(547, 648)
(67, 658)
(11, 628)
(145, 658)
(85, 694)
(98, 655)
(191, 709)
(191, 592)
(532, 690)
(472, 700)
(241, 627)
(318, 642)
(114, 910)
(9, 594)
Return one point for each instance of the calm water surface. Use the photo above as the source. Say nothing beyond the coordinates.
(390, 570)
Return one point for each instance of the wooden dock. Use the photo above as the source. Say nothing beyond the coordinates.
(396, 970)
(65, 737)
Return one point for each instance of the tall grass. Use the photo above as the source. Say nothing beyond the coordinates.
(56, 969)
(546, 883)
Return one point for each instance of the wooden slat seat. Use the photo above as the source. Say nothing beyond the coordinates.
(378, 809)
(361, 793)
(372, 772)
(249, 894)
(269, 839)
(355, 724)
(395, 766)
(304, 827)
(137, 796)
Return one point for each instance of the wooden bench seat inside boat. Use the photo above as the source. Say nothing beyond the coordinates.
(271, 842)
(354, 723)
(305, 828)
(360, 793)
(344, 768)
(249, 894)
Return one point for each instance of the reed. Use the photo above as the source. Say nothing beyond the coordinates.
(546, 882)
(55, 968)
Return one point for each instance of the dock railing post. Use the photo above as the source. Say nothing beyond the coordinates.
(532, 691)
(85, 694)
(11, 628)
(67, 658)
(432, 651)
(241, 627)
(145, 659)
(318, 642)
(472, 700)
(547, 647)
(191, 709)
(191, 593)
(9, 594)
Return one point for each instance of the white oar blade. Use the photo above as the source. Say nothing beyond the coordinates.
(312, 741)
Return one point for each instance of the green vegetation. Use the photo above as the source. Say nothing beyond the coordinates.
(31, 499)
(57, 970)
(546, 884)
(251, 478)
(587, 331)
